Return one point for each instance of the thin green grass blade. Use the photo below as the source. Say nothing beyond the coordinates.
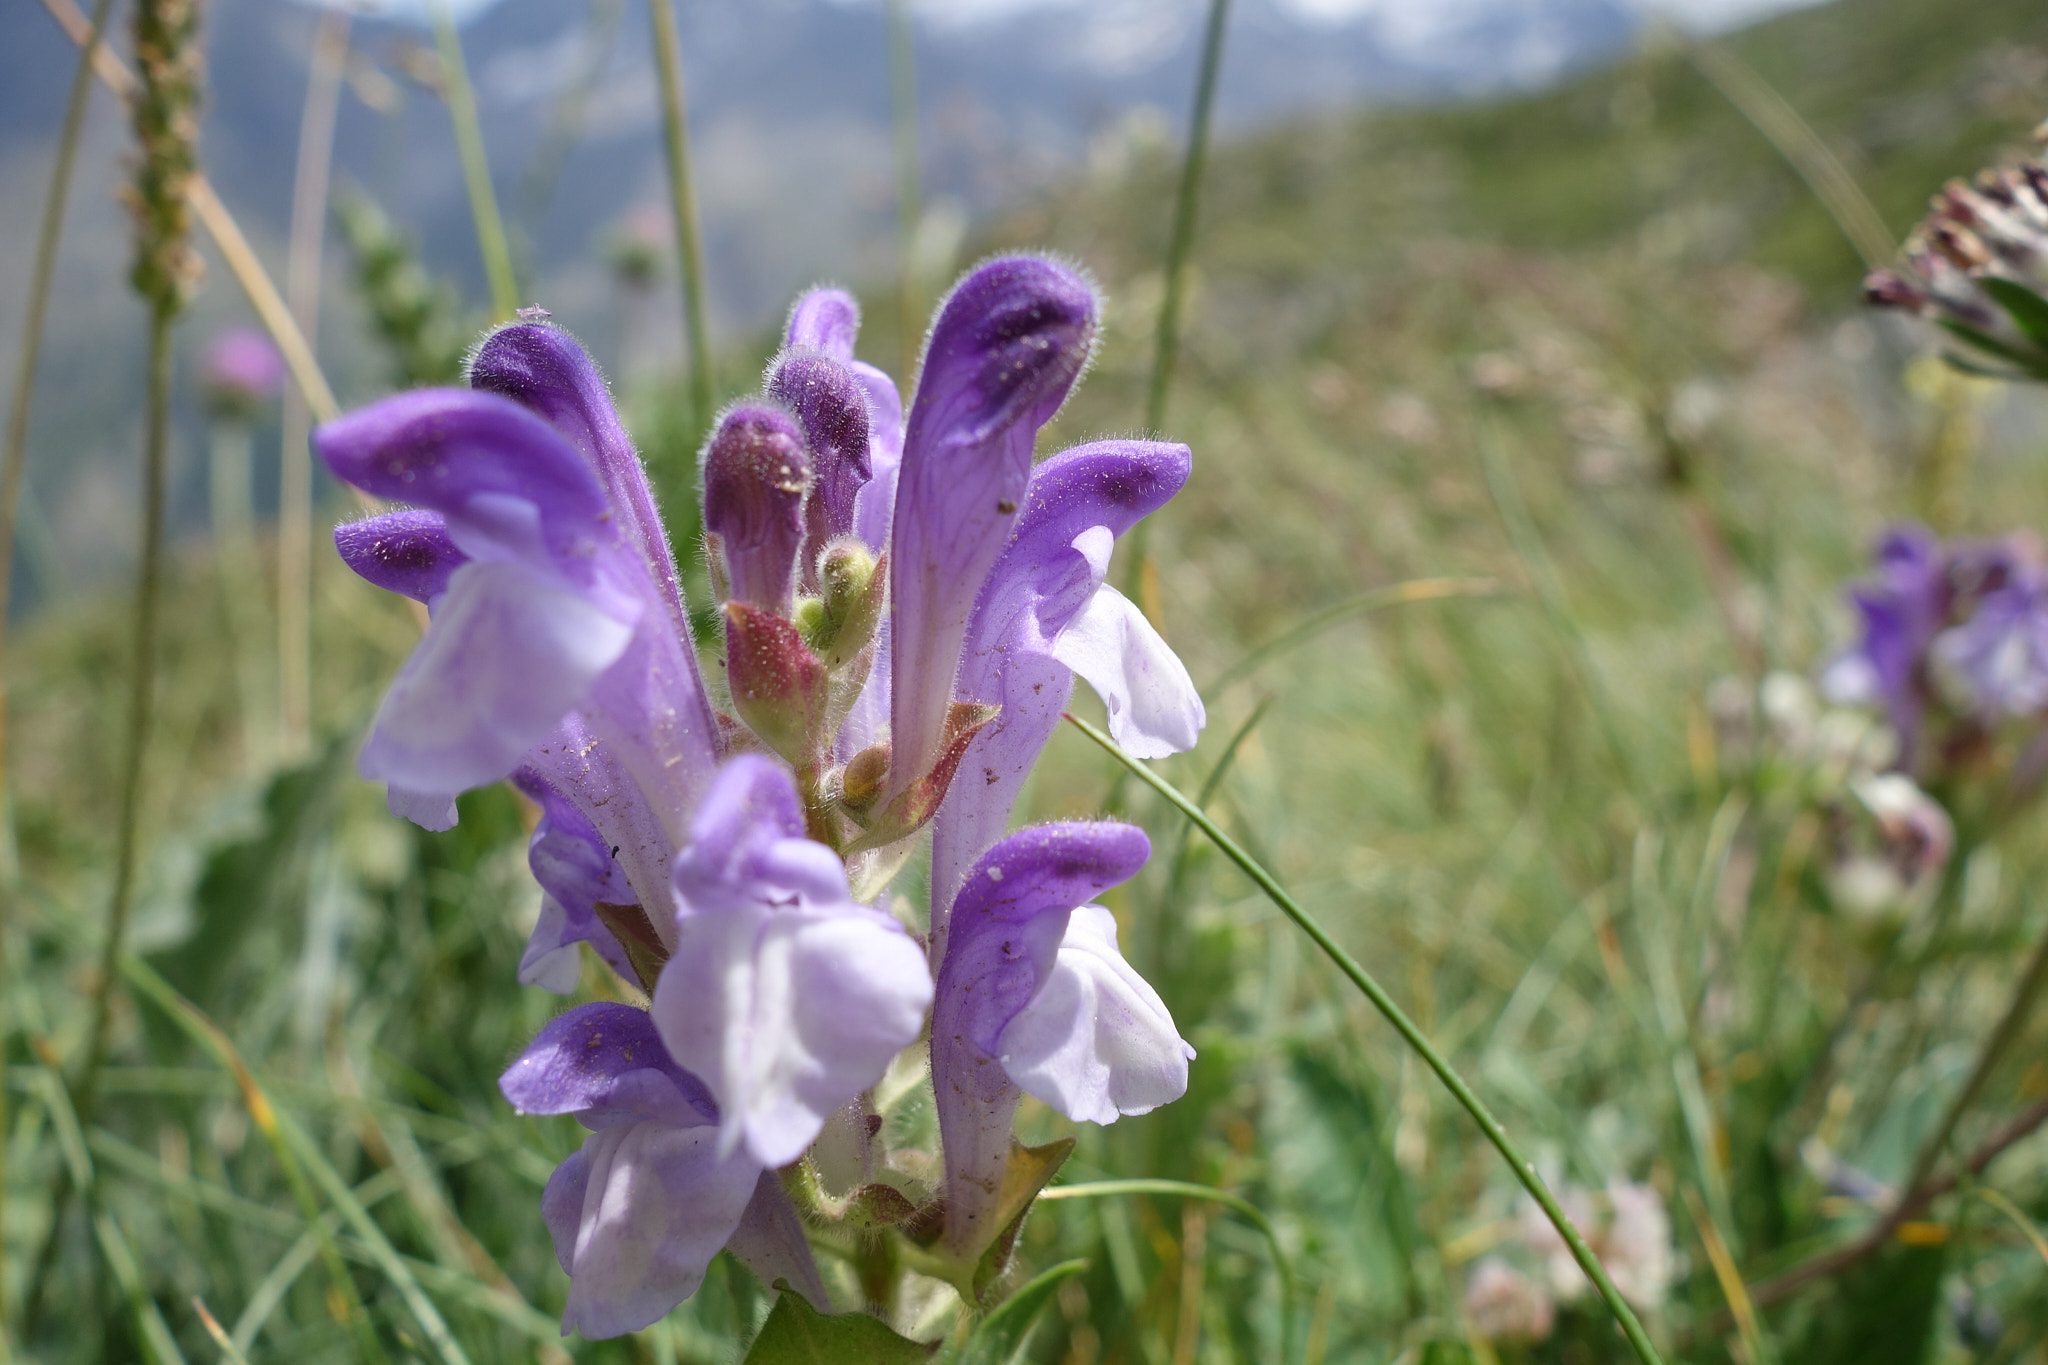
(149, 1319)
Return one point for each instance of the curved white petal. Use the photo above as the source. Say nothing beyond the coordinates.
(787, 1014)
(1154, 709)
(636, 1215)
(511, 651)
(1096, 1041)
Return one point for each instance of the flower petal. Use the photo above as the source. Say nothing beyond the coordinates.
(1154, 709)
(788, 1014)
(407, 552)
(510, 652)
(636, 1217)
(1029, 597)
(1005, 350)
(1007, 926)
(1096, 1041)
(602, 1057)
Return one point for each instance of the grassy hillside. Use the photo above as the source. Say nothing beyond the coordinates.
(1597, 346)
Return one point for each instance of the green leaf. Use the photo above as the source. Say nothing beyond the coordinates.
(798, 1334)
(1001, 1337)
(1881, 1313)
(1025, 1174)
(2028, 310)
(2030, 361)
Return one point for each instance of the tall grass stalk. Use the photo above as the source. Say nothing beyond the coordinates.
(1524, 1169)
(226, 234)
(476, 167)
(1166, 346)
(909, 192)
(12, 465)
(295, 456)
(675, 127)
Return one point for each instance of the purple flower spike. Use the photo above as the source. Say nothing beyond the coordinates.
(408, 553)
(832, 406)
(1045, 591)
(577, 873)
(755, 474)
(1022, 985)
(639, 1211)
(1006, 348)
(785, 994)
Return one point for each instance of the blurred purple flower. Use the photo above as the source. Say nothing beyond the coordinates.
(239, 374)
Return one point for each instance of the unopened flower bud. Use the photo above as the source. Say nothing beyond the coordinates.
(854, 586)
(861, 783)
(778, 685)
(832, 407)
(755, 474)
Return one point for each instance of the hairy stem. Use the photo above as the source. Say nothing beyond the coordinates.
(1523, 1168)
(668, 60)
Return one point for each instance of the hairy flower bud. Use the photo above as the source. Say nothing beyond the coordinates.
(778, 685)
(853, 586)
(832, 407)
(755, 475)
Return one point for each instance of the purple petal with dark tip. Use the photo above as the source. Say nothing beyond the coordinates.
(468, 456)
(407, 552)
(602, 1057)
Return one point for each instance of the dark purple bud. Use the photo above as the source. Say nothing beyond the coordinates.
(825, 320)
(832, 407)
(403, 552)
(1890, 289)
(755, 474)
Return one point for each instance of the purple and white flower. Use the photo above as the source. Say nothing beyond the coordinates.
(905, 599)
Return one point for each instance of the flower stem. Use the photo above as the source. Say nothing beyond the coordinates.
(476, 168)
(1524, 1169)
(1167, 346)
(668, 60)
(48, 236)
(295, 467)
